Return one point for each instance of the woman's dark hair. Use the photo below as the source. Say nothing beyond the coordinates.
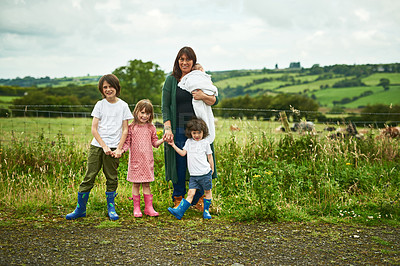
(113, 81)
(177, 72)
(196, 124)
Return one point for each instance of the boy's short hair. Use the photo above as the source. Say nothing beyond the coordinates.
(113, 81)
(196, 124)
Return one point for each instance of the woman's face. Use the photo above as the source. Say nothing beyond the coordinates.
(185, 64)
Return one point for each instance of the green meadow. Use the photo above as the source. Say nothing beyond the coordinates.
(263, 175)
(321, 90)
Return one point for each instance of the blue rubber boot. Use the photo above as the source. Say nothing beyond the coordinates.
(206, 212)
(80, 210)
(111, 205)
(179, 211)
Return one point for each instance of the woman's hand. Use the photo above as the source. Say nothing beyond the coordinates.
(168, 135)
(200, 95)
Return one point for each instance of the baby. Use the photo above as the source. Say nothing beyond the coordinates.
(197, 79)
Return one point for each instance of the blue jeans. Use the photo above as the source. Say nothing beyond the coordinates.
(181, 168)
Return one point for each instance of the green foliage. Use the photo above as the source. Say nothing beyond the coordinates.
(14, 91)
(348, 83)
(264, 178)
(140, 80)
(381, 115)
(48, 82)
(278, 102)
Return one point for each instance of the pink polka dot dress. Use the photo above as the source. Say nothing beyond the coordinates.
(140, 142)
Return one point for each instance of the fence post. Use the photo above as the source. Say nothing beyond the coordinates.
(285, 121)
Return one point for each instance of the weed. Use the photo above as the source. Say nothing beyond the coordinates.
(109, 224)
(295, 178)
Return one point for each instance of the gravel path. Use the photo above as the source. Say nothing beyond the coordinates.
(153, 241)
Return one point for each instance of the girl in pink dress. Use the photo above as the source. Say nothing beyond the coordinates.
(142, 137)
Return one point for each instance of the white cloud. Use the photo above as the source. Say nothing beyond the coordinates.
(76, 37)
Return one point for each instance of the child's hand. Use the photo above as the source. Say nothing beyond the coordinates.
(107, 150)
(117, 153)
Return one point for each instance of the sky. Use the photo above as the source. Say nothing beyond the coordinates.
(58, 38)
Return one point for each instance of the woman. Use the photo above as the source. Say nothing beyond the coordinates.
(177, 110)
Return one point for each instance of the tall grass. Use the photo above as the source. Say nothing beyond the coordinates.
(260, 178)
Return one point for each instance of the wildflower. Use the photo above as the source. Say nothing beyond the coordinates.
(370, 217)
(348, 163)
(256, 176)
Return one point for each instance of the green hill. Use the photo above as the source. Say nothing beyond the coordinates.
(328, 89)
(347, 86)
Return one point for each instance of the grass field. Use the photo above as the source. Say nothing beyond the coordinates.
(324, 96)
(64, 82)
(7, 99)
(392, 96)
(316, 85)
(242, 81)
(79, 129)
(262, 174)
(374, 79)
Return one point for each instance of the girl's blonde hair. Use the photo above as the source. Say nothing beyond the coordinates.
(148, 108)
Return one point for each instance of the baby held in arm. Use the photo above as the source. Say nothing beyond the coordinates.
(198, 79)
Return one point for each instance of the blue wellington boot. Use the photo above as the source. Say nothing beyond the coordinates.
(206, 212)
(179, 211)
(111, 205)
(80, 210)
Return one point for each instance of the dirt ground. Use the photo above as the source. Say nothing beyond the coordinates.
(190, 241)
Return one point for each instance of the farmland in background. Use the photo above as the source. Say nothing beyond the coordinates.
(321, 90)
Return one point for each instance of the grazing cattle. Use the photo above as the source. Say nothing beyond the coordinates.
(330, 129)
(235, 128)
(350, 131)
(391, 132)
(280, 129)
(303, 126)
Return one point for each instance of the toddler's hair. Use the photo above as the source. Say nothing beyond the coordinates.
(196, 124)
(148, 108)
(113, 81)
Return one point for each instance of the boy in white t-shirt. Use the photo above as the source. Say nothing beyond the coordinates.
(200, 166)
(109, 129)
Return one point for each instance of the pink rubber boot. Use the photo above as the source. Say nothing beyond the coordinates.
(148, 203)
(136, 206)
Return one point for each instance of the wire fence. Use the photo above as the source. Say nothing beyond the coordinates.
(74, 121)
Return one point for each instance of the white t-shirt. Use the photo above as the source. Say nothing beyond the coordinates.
(111, 116)
(197, 152)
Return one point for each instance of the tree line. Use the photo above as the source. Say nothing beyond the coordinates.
(144, 80)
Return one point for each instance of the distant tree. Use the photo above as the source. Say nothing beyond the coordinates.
(381, 114)
(356, 82)
(384, 82)
(316, 69)
(140, 80)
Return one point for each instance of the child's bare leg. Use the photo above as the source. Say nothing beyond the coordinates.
(135, 188)
(207, 194)
(190, 195)
(146, 188)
